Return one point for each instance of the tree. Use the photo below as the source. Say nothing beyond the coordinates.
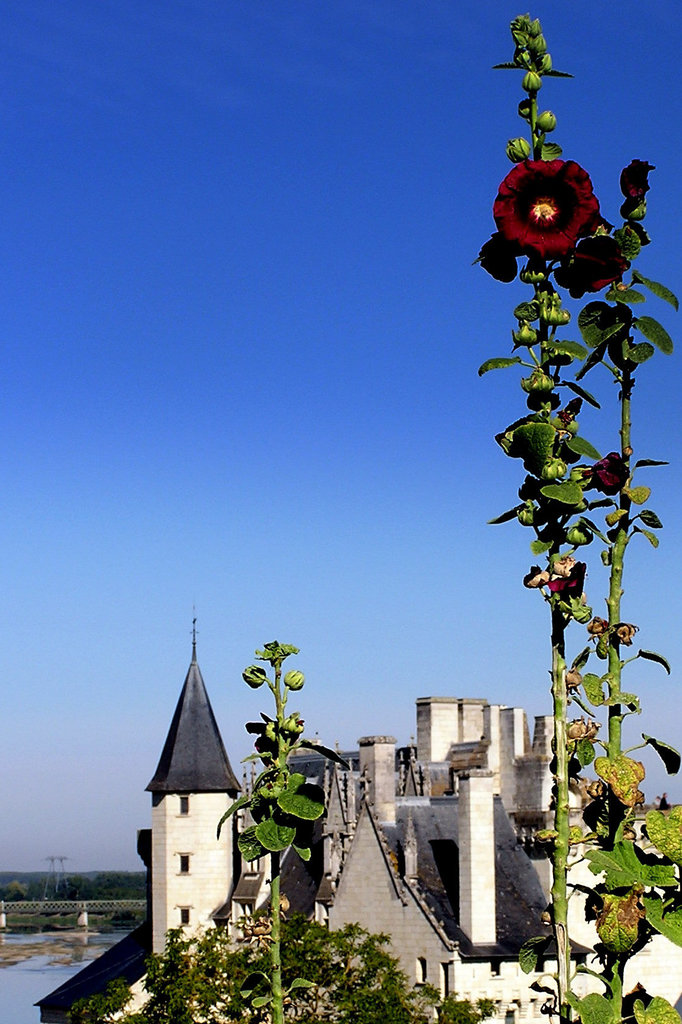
(209, 979)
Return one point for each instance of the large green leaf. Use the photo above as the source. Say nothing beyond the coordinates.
(568, 348)
(327, 752)
(640, 353)
(594, 689)
(533, 442)
(665, 832)
(568, 493)
(580, 446)
(593, 1008)
(577, 390)
(650, 519)
(596, 323)
(658, 1011)
(249, 845)
(531, 951)
(305, 800)
(669, 924)
(274, 837)
(497, 364)
(628, 295)
(623, 868)
(656, 288)
(505, 517)
(655, 332)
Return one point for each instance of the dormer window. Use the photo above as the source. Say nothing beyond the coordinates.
(184, 805)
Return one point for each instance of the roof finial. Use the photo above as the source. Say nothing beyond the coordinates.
(194, 637)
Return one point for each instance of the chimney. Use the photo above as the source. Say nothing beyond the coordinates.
(476, 830)
(377, 761)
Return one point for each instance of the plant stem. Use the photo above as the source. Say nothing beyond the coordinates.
(275, 946)
(561, 814)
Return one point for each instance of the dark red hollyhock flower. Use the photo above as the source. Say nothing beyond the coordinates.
(545, 206)
(634, 179)
(498, 257)
(609, 474)
(596, 262)
(571, 585)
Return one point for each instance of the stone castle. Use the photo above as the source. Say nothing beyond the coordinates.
(431, 843)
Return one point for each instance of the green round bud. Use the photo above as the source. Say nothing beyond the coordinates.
(546, 121)
(532, 82)
(537, 44)
(294, 679)
(255, 676)
(526, 516)
(545, 64)
(539, 382)
(554, 470)
(534, 28)
(293, 724)
(518, 150)
(578, 535)
(525, 107)
(526, 335)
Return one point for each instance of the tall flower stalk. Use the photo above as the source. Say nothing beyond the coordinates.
(551, 233)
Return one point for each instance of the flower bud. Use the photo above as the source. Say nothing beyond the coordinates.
(294, 679)
(545, 63)
(546, 121)
(526, 335)
(518, 149)
(539, 382)
(531, 81)
(525, 107)
(537, 44)
(534, 28)
(526, 515)
(255, 676)
(554, 470)
(629, 211)
(578, 535)
(529, 275)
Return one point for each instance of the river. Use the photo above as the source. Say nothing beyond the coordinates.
(31, 966)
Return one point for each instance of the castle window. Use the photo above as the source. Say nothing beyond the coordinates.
(184, 915)
(184, 805)
(445, 980)
(184, 863)
(420, 970)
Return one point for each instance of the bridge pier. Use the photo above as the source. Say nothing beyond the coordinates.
(82, 916)
(3, 915)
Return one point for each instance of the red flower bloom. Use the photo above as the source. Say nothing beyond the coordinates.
(572, 585)
(634, 179)
(498, 257)
(596, 262)
(609, 474)
(545, 206)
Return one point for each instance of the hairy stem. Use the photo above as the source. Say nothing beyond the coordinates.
(275, 946)
(561, 814)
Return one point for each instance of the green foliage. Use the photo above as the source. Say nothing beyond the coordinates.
(102, 1008)
(463, 1011)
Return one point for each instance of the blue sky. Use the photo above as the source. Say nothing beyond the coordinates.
(241, 334)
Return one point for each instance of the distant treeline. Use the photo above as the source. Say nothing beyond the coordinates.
(99, 885)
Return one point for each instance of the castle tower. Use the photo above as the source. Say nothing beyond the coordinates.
(191, 789)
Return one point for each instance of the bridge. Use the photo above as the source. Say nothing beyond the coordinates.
(80, 907)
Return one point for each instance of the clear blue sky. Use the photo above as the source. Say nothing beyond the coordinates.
(241, 334)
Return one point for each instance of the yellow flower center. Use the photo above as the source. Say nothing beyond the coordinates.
(544, 209)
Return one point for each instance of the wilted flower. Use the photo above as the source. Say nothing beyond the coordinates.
(563, 566)
(634, 179)
(573, 679)
(596, 262)
(579, 729)
(597, 626)
(545, 206)
(609, 474)
(536, 577)
(570, 585)
(498, 257)
(625, 632)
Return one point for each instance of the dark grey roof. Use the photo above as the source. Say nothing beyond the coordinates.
(193, 759)
(519, 897)
(124, 960)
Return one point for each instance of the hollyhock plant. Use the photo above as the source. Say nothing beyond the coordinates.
(634, 179)
(596, 262)
(498, 257)
(544, 207)
(609, 474)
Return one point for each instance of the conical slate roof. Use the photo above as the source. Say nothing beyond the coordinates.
(193, 759)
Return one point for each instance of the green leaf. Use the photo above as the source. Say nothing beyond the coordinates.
(556, 74)
(638, 495)
(640, 353)
(668, 755)
(623, 868)
(581, 659)
(531, 951)
(665, 832)
(505, 517)
(595, 321)
(261, 1001)
(305, 801)
(507, 65)
(274, 837)
(580, 446)
(593, 1008)
(653, 656)
(252, 981)
(243, 801)
(327, 752)
(300, 983)
(497, 364)
(302, 851)
(527, 311)
(593, 359)
(655, 333)
(656, 289)
(550, 151)
(618, 921)
(568, 493)
(658, 1011)
(650, 462)
(538, 547)
(568, 348)
(584, 751)
(249, 845)
(594, 689)
(533, 442)
(650, 519)
(651, 537)
(577, 390)
(628, 295)
(669, 924)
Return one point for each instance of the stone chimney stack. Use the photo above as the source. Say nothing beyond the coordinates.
(476, 830)
(377, 762)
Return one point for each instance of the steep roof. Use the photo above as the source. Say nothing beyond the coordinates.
(194, 759)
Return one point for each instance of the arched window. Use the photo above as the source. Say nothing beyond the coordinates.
(421, 970)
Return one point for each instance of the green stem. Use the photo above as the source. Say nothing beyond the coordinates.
(275, 945)
(561, 814)
(534, 143)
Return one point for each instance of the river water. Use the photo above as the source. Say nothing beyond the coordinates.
(31, 966)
